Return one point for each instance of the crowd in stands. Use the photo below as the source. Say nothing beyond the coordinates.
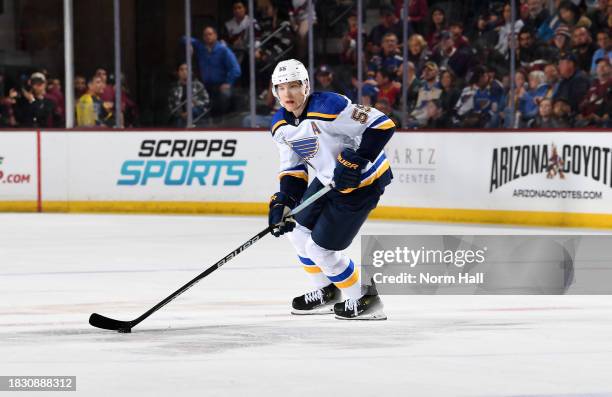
(38, 102)
(457, 68)
(459, 73)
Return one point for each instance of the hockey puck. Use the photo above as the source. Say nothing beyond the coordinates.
(124, 330)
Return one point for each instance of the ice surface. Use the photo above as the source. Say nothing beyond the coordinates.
(232, 334)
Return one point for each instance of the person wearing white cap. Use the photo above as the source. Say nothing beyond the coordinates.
(32, 108)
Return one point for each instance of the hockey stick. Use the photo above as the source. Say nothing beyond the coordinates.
(100, 321)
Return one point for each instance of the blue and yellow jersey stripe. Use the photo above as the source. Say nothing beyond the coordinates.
(378, 168)
(321, 116)
(309, 266)
(382, 123)
(348, 277)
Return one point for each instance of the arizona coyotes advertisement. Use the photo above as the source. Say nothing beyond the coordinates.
(543, 171)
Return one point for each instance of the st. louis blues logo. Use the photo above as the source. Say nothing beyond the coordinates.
(306, 148)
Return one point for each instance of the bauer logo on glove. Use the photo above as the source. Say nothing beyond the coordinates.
(347, 174)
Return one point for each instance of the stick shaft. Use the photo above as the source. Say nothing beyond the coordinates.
(110, 323)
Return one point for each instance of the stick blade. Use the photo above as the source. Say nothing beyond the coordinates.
(100, 321)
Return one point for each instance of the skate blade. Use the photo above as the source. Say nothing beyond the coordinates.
(327, 309)
(378, 315)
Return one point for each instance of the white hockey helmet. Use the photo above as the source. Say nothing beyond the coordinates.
(290, 70)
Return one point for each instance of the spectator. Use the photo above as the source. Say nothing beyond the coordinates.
(32, 109)
(299, 19)
(437, 24)
(413, 82)
(529, 101)
(80, 86)
(387, 87)
(7, 109)
(390, 56)
(430, 90)
(55, 95)
(531, 53)
(349, 41)
(456, 30)
(417, 13)
(450, 94)
(545, 117)
(599, 16)
(574, 82)
(218, 67)
(484, 36)
(538, 15)
(91, 111)
(520, 86)
(177, 100)
(477, 106)
(562, 41)
(583, 48)
(562, 113)
(595, 109)
(604, 50)
(325, 80)
(546, 31)
(448, 56)
(109, 90)
(551, 75)
(418, 52)
(237, 30)
(389, 23)
(437, 118)
(503, 41)
(570, 15)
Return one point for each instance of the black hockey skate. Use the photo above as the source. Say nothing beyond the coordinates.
(320, 301)
(368, 307)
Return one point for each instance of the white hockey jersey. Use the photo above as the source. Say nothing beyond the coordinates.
(329, 124)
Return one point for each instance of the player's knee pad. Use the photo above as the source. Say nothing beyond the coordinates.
(330, 262)
(298, 238)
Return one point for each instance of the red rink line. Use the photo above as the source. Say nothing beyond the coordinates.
(39, 173)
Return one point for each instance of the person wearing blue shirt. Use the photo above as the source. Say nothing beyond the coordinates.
(219, 69)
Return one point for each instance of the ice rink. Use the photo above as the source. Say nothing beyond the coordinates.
(232, 334)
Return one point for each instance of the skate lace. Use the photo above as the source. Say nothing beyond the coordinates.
(314, 296)
(351, 305)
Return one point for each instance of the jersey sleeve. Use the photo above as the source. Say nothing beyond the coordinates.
(371, 125)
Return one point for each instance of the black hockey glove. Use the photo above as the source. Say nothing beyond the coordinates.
(347, 173)
(280, 205)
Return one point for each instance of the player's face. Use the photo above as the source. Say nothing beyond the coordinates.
(291, 95)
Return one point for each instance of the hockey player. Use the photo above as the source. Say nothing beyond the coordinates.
(344, 143)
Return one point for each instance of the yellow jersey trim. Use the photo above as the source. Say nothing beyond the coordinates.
(322, 115)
